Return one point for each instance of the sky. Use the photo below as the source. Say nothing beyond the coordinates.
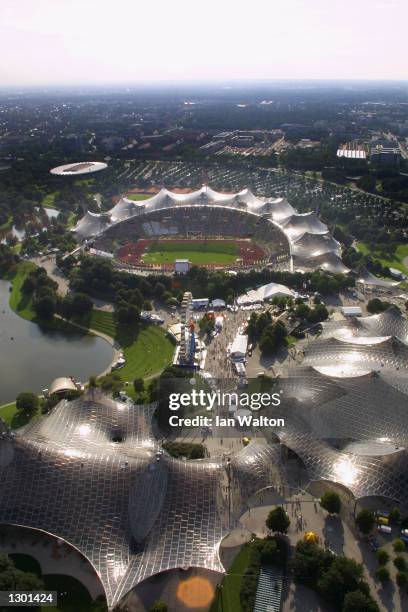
(64, 42)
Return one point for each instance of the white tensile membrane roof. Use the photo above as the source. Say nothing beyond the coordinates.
(263, 293)
(366, 278)
(310, 242)
(78, 168)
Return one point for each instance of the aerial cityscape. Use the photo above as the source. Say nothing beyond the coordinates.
(203, 307)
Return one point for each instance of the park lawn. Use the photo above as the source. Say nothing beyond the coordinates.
(396, 260)
(22, 304)
(7, 412)
(16, 418)
(136, 197)
(19, 303)
(230, 601)
(147, 348)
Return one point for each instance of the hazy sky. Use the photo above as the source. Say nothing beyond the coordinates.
(107, 41)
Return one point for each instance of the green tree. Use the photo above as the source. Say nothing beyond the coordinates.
(309, 562)
(357, 601)
(92, 382)
(45, 306)
(382, 574)
(159, 289)
(331, 502)
(278, 520)
(303, 311)
(376, 306)
(344, 575)
(81, 304)
(13, 579)
(27, 402)
(395, 516)
(138, 385)
(365, 521)
(400, 563)
(398, 545)
(382, 556)
(318, 314)
(402, 579)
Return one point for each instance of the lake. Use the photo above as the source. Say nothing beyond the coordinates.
(33, 358)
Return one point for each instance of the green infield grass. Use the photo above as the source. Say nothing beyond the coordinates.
(196, 251)
(136, 197)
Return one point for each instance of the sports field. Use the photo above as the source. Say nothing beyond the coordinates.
(202, 252)
(197, 251)
(137, 197)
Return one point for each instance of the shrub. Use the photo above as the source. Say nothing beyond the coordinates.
(331, 502)
(402, 579)
(398, 545)
(27, 402)
(357, 601)
(278, 520)
(382, 556)
(309, 562)
(400, 563)
(365, 521)
(382, 574)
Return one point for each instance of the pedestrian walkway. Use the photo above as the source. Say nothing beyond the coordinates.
(269, 590)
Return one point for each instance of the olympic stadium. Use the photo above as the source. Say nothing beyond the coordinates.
(279, 235)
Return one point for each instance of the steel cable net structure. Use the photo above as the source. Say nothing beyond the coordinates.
(92, 473)
(339, 429)
(346, 406)
(304, 238)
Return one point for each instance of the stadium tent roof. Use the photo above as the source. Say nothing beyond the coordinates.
(366, 278)
(263, 293)
(125, 209)
(297, 225)
(279, 208)
(330, 262)
(313, 245)
(306, 234)
(92, 224)
(239, 346)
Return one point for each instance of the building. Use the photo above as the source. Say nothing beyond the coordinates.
(352, 311)
(384, 152)
(239, 347)
(297, 240)
(181, 266)
(352, 150)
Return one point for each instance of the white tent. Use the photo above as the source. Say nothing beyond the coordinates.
(239, 347)
(266, 292)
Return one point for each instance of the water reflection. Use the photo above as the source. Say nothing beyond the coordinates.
(31, 357)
